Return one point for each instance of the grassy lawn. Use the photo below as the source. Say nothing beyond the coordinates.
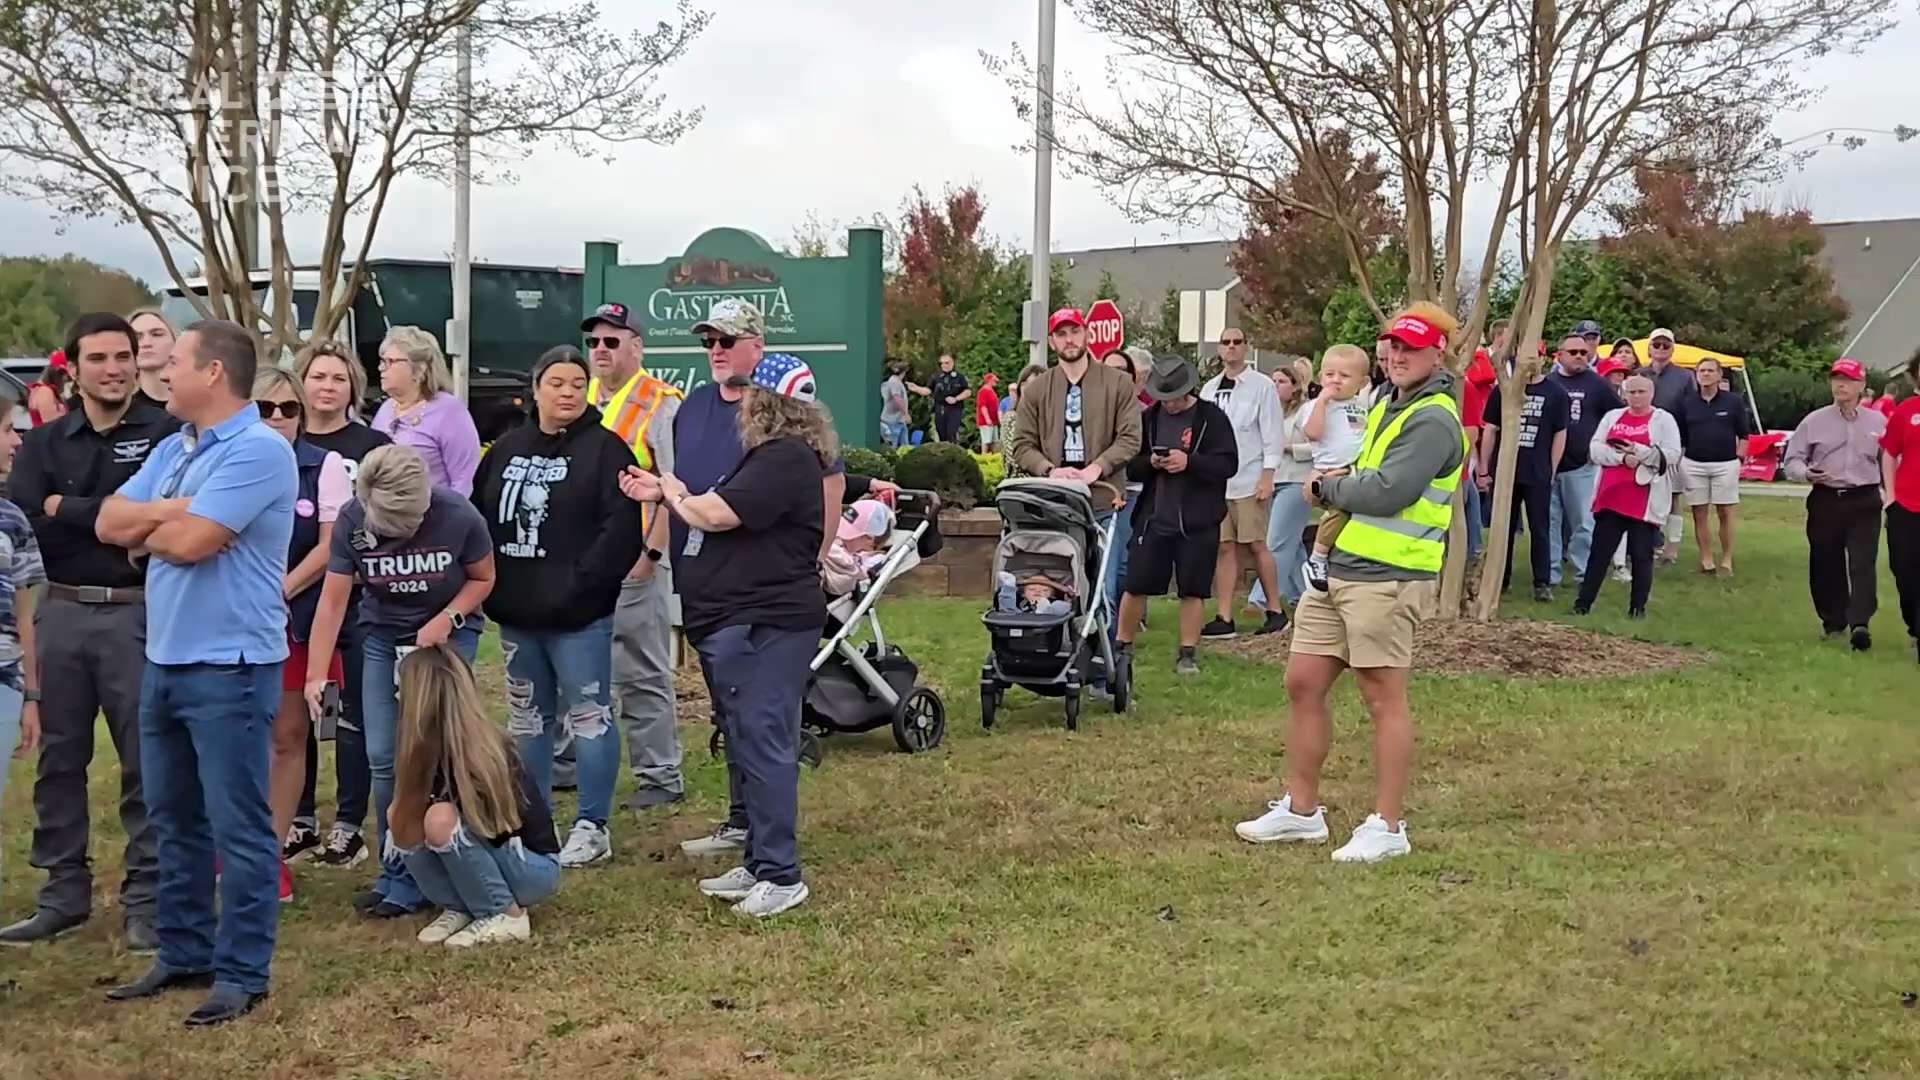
(1709, 873)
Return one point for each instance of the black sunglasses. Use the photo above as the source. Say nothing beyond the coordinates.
(609, 342)
(1233, 341)
(289, 410)
(726, 341)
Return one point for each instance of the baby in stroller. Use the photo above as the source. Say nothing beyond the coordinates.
(858, 547)
(1035, 593)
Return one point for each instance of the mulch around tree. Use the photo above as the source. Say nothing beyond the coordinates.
(1511, 648)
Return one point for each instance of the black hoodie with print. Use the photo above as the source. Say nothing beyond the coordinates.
(563, 536)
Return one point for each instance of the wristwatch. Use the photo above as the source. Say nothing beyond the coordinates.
(654, 555)
(30, 697)
(458, 620)
(1315, 489)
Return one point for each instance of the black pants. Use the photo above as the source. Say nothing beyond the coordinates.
(946, 423)
(90, 663)
(1643, 538)
(1843, 555)
(1903, 555)
(1535, 501)
(353, 777)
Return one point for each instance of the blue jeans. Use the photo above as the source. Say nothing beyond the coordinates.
(1284, 529)
(1570, 517)
(557, 677)
(894, 434)
(482, 879)
(759, 676)
(1117, 564)
(10, 705)
(205, 739)
(1475, 527)
(380, 711)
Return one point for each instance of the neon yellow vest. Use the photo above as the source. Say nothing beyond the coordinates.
(630, 410)
(1416, 537)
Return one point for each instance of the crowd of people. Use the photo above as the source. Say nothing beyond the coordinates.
(294, 575)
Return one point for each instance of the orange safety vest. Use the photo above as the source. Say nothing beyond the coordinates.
(631, 409)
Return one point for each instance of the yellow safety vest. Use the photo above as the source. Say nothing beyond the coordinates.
(630, 411)
(1416, 537)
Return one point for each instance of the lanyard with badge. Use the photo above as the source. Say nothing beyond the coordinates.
(695, 537)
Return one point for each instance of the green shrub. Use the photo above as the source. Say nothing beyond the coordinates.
(1785, 396)
(993, 469)
(945, 468)
(864, 462)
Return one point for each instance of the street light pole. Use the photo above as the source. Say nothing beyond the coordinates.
(460, 329)
(1043, 181)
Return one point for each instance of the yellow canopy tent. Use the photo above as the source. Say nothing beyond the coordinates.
(1689, 356)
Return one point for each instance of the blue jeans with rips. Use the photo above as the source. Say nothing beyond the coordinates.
(481, 879)
(205, 740)
(557, 677)
(380, 711)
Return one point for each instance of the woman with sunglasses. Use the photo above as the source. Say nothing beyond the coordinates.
(324, 489)
(423, 412)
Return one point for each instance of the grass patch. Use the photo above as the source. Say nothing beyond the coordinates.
(1702, 872)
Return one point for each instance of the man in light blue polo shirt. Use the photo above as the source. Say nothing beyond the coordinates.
(213, 505)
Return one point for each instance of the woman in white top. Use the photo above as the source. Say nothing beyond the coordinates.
(1288, 525)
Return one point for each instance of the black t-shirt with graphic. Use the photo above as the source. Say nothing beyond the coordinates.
(1171, 431)
(1546, 413)
(766, 571)
(353, 443)
(407, 582)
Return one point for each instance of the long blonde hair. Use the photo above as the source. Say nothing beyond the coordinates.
(444, 734)
(1300, 371)
(766, 416)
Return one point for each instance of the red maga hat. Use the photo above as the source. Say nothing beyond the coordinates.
(1414, 331)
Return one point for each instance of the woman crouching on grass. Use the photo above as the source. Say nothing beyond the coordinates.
(475, 832)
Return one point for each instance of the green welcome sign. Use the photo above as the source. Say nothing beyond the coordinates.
(825, 311)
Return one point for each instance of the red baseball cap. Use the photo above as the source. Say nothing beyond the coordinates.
(1611, 365)
(1066, 316)
(1849, 369)
(58, 359)
(1415, 331)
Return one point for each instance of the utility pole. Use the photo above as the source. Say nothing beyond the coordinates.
(1043, 183)
(460, 329)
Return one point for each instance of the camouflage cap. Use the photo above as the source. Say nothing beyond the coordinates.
(732, 317)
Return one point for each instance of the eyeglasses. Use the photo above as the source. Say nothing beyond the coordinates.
(1233, 341)
(727, 341)
(1659, 344)
(608, 342)
(392, 361)
(1576, 352)
(288, 410)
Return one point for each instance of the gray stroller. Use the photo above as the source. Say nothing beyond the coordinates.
(1047, 530)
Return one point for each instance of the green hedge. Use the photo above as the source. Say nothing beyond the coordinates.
(861, 461)
(945, 468)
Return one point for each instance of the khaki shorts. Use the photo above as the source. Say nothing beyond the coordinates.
(1711, 483)
(1246, 521)
(1366, 624)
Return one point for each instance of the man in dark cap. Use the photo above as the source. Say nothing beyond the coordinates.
(1187, 454)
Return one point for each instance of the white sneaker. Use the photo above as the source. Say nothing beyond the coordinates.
(493, 930)
(1373, 841)
(448, 924)
(586, 844)
(767, 899)
(735, 884)
(1623, 575)
(723, 841)
(1280, 824)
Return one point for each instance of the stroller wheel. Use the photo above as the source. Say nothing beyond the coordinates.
(989, 704)
(919, 721)
(810, 749)
(1073, 709)
(1121, 681)
(717, 742)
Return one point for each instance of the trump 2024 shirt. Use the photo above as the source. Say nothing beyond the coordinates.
(407, 582)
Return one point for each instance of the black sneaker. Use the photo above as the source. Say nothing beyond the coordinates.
(1186, 664)
(303, 841)
(1276, 621)
(367, 900)
(1220, 630)
(1861, 639)
(1543, 594)
(344, 849)
(1637, 613)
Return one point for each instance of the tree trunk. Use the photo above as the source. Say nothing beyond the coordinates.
(1529, 319)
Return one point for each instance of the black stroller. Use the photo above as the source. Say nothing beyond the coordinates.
(1047, 529)
(856, 688)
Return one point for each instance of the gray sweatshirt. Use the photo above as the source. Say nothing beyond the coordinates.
(1429, 447)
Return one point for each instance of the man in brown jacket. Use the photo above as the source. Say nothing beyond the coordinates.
(1081, 420)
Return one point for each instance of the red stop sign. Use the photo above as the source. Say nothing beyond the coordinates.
(1106, 330)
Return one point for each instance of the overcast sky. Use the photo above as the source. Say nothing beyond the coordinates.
(838, 107)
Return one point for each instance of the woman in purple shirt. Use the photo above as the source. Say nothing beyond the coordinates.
(421, 410)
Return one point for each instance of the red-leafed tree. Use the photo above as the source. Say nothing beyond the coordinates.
(1291, 259)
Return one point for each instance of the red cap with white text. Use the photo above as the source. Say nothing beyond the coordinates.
(1849, 369)
(1415, 332)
